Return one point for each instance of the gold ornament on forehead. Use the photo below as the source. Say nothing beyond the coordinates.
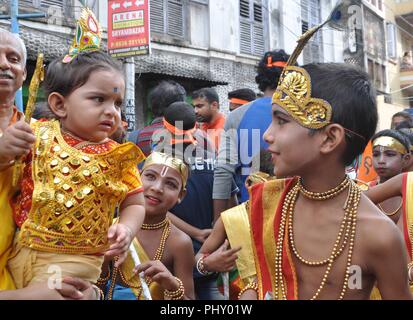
(391, 143)
(293, 92)
(170, 162)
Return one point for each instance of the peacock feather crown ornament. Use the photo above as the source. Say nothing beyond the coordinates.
(88, 35)
(293, 92)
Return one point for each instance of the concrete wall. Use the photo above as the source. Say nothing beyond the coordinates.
(386, 112)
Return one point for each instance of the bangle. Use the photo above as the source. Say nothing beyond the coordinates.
(178, 294)
(409, 267)
(201, 267)
(252, 285)
(99, 293)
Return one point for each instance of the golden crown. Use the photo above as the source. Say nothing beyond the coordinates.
(294, 87)
(88, 35)
(294, 95)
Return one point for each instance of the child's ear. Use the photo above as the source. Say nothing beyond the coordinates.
(57, 104)
(182, 196)
(334, 136)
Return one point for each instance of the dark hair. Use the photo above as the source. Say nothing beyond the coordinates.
(399, 136)
(183, 112)
(206, 93)
(267, 76)
(42, 111)
(403, 125)
(164, 94)
(408, 133)
(353, 99)
(64, 78)
(244, 94)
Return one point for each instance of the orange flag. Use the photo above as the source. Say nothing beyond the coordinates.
(366, 172)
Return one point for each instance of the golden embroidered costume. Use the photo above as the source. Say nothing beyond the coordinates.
(73, 201)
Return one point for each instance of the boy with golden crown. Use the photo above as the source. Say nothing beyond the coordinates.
(74, 175)
(315, 236)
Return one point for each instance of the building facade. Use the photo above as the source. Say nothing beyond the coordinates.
(198, 43)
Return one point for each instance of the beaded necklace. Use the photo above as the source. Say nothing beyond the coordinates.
(345, 236)
(155, 226)
(393, 212)
(158, 256)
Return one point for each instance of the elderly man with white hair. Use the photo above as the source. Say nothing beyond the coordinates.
(12, 75)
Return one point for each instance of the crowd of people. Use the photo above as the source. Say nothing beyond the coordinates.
(255, 204)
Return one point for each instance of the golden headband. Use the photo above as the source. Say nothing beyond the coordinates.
(88, 35)
(390, 143)
(293, 94)
(294, 87)
(171, 162)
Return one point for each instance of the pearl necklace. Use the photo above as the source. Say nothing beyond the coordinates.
(349, 224)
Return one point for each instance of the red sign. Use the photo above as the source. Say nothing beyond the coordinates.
(128, 28)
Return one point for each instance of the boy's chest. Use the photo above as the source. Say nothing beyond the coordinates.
(320, 248)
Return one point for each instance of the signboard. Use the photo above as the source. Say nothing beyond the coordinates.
(128, 28)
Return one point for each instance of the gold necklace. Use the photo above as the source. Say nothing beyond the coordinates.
(287, 213)
(158, 256)
(335, 252)
(320, 196)
(391, 213)
(159, 225)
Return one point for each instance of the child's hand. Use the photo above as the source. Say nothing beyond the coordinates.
(222, 259)
(156, 271)
(120, 237)
(16, 141)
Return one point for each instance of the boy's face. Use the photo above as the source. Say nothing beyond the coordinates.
(92, 111)
(387, 162)
(293, 150)
(162, 188)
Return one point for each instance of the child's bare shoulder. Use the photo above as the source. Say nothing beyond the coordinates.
(375, 230)
(179, 240)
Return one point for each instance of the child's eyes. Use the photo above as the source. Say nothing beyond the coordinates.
(98, 99)
(281, 121)
(149, 176)
(172, 185)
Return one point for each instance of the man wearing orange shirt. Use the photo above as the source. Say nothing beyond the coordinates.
(206, 104)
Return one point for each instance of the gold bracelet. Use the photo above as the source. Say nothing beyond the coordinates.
(252, 285)
(178, 294)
